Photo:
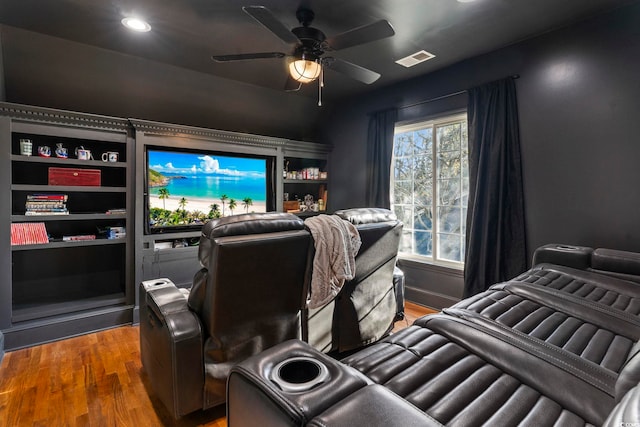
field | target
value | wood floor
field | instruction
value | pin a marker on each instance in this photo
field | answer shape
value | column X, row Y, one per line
column 95, row 380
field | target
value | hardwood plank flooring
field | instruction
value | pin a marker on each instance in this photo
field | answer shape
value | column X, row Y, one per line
column 95, row 380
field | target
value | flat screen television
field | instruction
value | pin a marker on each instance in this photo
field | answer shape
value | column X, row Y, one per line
column 186, row 188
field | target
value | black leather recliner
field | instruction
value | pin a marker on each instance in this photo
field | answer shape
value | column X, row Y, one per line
column 246, row 298
column 367, row 306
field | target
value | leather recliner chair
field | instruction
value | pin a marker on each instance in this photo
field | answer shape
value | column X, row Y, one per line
column 251, row 295
column 367, row 306
column 247, row 297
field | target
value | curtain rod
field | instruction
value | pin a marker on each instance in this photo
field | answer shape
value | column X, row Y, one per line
column 438, row 98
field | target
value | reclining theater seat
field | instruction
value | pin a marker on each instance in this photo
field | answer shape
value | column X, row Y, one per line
column 367, row 306
column 588, row 329
column 441, row 371
column 556, row 346
column 247, row 297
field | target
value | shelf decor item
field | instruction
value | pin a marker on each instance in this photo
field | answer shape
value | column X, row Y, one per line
column 83, row 154
column 26, row 147
column 61, row 152
column 44, row 151
column 73, row 176
column 28, row 233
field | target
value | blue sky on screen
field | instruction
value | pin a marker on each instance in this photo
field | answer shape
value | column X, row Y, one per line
column 204, row 164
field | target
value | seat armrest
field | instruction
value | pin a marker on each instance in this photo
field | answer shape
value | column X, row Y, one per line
column 568, row 255
column 373, row 406
column 287, row 385
column 171, row 347
column 620, row 263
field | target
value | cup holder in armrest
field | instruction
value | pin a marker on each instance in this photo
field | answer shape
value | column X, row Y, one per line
column 299, row 374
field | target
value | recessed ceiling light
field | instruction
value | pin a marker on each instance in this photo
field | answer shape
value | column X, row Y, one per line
column 136, row 24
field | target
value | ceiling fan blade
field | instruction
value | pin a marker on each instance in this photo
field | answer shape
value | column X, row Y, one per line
column 271, row 23
column 365, row 34
column 351, row 70
column 247, row 56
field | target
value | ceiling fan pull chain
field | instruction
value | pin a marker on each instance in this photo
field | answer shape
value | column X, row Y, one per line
column 320, row 86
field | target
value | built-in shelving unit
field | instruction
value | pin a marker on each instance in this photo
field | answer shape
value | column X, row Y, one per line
column 54, row 288
column 305, row 168
column 58, row 287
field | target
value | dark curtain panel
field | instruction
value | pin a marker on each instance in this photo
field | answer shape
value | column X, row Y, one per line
column 379, row 152
column 495, row 247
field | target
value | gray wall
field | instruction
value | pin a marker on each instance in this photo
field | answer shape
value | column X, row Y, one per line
column 579, row 111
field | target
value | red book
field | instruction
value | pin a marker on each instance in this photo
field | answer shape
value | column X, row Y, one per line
column 28, row 233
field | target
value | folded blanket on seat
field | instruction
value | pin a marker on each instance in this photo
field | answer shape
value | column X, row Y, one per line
column 336, row 245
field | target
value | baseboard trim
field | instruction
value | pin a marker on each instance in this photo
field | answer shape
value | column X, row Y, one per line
column 429, row 299
column 28, row 334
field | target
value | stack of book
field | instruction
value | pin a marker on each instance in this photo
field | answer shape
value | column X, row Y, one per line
column 28, row 233
column 46, row 204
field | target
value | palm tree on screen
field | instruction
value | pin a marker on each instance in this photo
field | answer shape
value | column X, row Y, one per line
column 223, row 199
column 182, row 203
column 215, row 211
column 232, row 205
column 246, row 202
column 163, row 194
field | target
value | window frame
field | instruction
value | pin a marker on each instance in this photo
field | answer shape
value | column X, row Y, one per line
column 430, row 122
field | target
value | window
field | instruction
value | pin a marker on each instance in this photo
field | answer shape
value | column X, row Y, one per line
column 430, row 188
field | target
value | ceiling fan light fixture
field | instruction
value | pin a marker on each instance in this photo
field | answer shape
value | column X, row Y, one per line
column 304, row 70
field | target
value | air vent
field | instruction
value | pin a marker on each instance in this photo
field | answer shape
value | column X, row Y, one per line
column 415, row 58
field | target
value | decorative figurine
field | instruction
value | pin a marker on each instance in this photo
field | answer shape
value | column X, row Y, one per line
column 61, row 151
column 44, row 151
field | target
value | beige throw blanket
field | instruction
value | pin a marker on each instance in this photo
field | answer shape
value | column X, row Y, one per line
column 337, row 243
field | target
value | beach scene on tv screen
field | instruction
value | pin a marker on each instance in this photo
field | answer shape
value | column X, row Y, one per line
column 191, row 188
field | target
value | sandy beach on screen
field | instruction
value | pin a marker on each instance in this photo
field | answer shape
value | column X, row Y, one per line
column 204, row 205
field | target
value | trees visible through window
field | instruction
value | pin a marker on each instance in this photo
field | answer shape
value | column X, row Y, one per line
column 430, row 188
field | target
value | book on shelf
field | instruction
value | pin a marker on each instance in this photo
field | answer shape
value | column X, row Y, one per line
column 46, row 204
column 48, row 197
column 78, row 237
column 28, row 233
column 116, row 211
column 46, row 212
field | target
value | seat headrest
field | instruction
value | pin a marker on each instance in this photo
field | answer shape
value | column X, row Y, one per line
column 252, row 223
column 358, row 216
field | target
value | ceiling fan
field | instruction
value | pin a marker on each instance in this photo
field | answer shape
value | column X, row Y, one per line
column 310, row 45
